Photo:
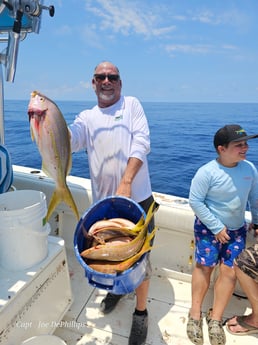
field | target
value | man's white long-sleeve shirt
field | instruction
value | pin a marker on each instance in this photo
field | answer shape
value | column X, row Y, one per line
column 111, row 136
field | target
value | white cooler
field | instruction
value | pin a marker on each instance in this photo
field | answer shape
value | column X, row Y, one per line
column 34, row 301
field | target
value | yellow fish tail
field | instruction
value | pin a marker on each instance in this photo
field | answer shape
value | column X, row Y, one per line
column 62, row 195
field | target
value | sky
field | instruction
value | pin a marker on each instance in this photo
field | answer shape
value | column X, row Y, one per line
column 166, row 51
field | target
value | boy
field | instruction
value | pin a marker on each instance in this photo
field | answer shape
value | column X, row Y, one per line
column 219, row 193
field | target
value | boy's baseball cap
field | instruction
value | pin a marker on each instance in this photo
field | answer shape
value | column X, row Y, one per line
column 230, row 133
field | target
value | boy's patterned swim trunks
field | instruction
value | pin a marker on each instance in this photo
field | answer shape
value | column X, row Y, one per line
column 209, row 252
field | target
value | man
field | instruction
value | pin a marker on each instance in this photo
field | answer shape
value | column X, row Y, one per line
column 115, row 134
column 246, row 268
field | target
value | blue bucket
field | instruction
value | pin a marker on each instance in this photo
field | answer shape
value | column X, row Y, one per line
column 111, row 207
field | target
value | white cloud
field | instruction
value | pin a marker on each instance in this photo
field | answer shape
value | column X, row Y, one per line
column 128, row 17
column 64, row 30
column 196, row 49
column 187, row 48
column 205, row 17
column 229, row 47
column 232, row 17
column 63, row 91
column 85, row 85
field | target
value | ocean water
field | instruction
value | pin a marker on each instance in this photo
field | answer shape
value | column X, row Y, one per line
column 181, row 138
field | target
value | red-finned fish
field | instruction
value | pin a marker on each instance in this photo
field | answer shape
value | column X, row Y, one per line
column 106, row 229
column 108, row 235
column 122, row 251
column 114, row 222
column 112, row 267
column 49, row 130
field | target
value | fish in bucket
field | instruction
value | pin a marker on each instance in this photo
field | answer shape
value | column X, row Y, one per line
column 117, row 266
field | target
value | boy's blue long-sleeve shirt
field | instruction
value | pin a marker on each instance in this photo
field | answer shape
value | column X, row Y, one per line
column 219, row 195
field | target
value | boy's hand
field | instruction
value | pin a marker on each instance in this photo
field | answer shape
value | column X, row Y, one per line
column 222, row 236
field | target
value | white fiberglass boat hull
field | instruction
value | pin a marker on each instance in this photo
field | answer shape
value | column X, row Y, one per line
column 81, row 322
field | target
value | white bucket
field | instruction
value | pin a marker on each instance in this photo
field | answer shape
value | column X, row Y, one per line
column 23, row 229
column 44, row 340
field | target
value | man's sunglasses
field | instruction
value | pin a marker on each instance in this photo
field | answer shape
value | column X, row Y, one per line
column 111, row 77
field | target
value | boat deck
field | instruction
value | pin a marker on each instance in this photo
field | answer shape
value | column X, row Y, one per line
column 170, row 289
column 168, row 304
